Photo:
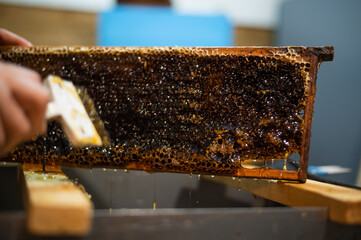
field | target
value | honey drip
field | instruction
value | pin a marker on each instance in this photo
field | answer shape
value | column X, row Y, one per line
column 177, row 110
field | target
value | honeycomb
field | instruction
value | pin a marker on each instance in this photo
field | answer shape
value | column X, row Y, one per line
column 192, row 110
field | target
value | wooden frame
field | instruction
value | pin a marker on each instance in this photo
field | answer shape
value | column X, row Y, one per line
column 309, row 56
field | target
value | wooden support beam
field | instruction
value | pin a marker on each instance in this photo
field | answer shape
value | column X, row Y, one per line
column 54, row 204
column 344, row 204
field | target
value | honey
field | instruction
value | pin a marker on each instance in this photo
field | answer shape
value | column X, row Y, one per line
column 178, row 109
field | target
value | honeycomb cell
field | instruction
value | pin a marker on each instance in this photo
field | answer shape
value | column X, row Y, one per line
column 176, row 109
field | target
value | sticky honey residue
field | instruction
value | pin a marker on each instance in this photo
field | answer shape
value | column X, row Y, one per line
column 46, row 177
column 174, row 109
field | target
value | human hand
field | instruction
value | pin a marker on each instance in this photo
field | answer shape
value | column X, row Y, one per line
column 9, row 38
column 23, row 101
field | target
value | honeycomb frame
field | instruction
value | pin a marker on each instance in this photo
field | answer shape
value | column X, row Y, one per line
column 184, row 109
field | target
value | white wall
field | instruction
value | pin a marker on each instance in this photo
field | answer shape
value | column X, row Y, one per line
column 251, row 13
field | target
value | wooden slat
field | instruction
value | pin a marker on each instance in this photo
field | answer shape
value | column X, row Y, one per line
column 54, row 204
column 344, row 204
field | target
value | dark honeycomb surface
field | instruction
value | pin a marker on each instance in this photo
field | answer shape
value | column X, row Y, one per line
column 177, row 110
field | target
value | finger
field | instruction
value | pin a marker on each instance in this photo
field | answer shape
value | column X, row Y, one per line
column 10, row 70
column 29, row 93
column 35, row 107
column 2, row 132
column 16, row 124
column 2, row 128
column 9, row 38
column 33, row 97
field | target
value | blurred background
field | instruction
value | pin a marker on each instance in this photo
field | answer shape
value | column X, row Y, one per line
column 336, row 131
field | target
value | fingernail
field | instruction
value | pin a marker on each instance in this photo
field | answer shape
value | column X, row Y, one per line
column 26, row 43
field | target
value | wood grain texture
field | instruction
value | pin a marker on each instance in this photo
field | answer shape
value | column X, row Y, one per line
column 49, row 26
column 54, row 205
column 344, row 204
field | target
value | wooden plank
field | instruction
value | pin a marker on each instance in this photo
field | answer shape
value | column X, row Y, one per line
column 43, row 26
column 54, row 204
column 344, row 204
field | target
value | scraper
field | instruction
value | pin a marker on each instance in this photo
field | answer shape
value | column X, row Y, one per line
column 68, row 109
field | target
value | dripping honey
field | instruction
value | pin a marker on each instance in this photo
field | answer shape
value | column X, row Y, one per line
column 179, row 110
